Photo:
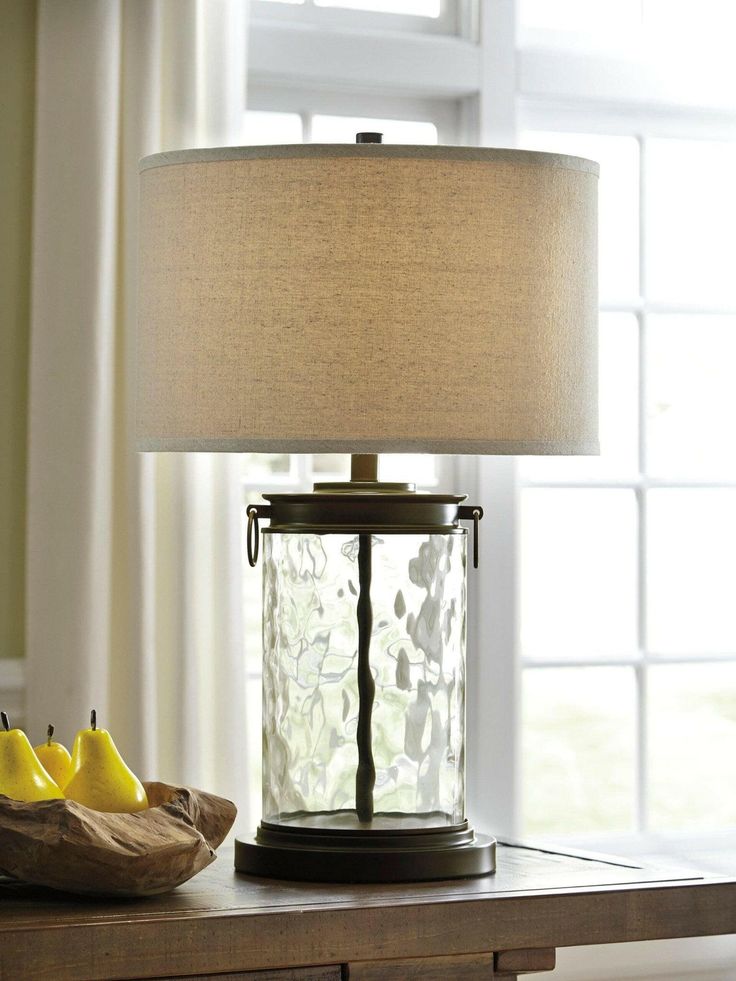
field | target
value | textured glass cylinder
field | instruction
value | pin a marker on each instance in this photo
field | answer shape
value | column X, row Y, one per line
column 311, row 704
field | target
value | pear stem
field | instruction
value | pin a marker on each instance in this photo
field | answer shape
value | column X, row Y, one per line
column 49, row 733
column 93, row 720
column 5, row 721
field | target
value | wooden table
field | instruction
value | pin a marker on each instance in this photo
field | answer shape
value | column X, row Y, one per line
column 231, row 926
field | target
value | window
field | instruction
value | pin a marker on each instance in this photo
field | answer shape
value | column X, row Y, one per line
column 627, row 622
column 602, row 647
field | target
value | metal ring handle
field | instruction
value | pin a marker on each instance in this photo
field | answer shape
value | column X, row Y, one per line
column 477, row 515
column 472, row 513
column 253, row 538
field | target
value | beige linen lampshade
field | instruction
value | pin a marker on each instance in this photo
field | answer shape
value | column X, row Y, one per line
column 368, row 298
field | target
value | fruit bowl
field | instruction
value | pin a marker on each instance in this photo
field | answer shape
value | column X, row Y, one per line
column 67, row 846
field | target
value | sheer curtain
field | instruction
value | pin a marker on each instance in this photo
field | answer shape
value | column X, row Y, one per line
column 134, row 569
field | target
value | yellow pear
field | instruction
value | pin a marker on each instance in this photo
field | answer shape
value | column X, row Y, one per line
column 54, row 757
column 99, row 777
column 22, row 777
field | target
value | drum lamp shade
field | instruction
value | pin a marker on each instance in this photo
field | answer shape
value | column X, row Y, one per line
column 366, row 299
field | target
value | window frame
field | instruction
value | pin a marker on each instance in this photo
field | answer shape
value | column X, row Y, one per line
column 456, row 17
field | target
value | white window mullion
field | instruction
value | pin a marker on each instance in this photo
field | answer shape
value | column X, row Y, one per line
column 498, row 105
column 642, row 673
column 641, row 669
column 303, row 469
column 306, row 118
column 493, row 670
column 642, row 795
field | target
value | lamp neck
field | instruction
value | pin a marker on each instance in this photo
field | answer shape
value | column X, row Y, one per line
column 364, row 479
column 364, row 466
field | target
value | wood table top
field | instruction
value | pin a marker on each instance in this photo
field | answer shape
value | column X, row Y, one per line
column 535, row 899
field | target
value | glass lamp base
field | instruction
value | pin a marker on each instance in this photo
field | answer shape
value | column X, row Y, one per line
column 317, row 855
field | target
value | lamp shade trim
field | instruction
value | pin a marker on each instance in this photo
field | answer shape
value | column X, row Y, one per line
column 467, row 447
column 531, row 158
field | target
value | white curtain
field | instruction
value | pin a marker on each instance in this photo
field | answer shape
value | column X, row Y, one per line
column 134, row 565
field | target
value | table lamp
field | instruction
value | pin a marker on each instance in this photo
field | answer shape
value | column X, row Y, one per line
column 366, row 298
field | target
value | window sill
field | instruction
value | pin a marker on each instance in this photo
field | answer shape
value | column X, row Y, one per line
column 709, row 851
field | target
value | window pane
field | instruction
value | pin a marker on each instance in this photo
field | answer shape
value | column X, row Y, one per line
column 260, row 466
column 692, row 735
column 416, row 468
column 413, row 468
column 578, row 749
column 691, row 571
column 691, row 396
column 425, row 8
column 598, row 18
column 618, row 383
column 691, row 221
column 265, row 128
column 334, row 464
column 253, row 707
column 618, row 202
column 578, row 573
column 342, row 129
column 703, row 26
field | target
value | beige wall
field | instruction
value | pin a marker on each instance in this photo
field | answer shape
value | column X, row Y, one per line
column 17, row 69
